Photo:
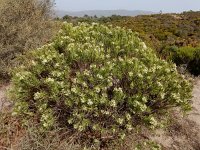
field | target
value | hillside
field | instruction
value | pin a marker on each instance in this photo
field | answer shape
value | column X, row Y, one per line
column 158, row 30
column 100, row 13
column 162, row 30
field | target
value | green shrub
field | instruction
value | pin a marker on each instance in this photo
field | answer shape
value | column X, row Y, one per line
column 100, row 81
column 194, row 65
column 183, row 55
column 190, row 56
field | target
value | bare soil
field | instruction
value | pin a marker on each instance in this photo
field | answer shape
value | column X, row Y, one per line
column 184, row 132
column 3, row 102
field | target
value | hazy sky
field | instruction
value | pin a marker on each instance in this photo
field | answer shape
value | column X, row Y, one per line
column 151, row 5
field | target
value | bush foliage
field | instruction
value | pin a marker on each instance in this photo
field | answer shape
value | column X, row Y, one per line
column 97, row 80
column 188, row 56
column 24, row 25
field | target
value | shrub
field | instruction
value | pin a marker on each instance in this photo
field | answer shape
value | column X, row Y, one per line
column 183, row 55
column 194, row 65
column 97, row 80
column 24, row 25
column 190, row 56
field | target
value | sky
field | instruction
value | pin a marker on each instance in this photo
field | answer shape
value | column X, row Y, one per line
column 147, row 5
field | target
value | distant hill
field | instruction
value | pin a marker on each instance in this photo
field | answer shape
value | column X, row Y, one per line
column 99, row 13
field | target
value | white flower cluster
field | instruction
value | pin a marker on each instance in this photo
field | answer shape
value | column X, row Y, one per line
column 101, row 78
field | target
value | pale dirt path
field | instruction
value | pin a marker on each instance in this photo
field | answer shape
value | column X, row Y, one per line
column 195, row 114
column 184, row 134
column 3, row 102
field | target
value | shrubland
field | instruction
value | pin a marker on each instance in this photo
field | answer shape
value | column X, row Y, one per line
column 90, row 84
column 159, row 31
column 98, row 81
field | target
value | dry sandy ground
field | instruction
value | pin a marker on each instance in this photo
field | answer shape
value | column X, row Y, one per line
column 3, row 102
column 195, row 114
column 183, row 134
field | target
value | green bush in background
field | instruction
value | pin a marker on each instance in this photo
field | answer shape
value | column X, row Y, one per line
column 97, row 80
column 189, row 56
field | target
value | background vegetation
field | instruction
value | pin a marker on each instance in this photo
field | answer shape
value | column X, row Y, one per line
column 165, row 33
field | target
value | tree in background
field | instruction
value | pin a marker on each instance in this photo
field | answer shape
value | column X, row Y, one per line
column 25, row 24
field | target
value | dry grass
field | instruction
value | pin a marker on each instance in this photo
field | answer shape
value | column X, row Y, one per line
column 179, row 133
column 10, row 130
column 14, row 136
